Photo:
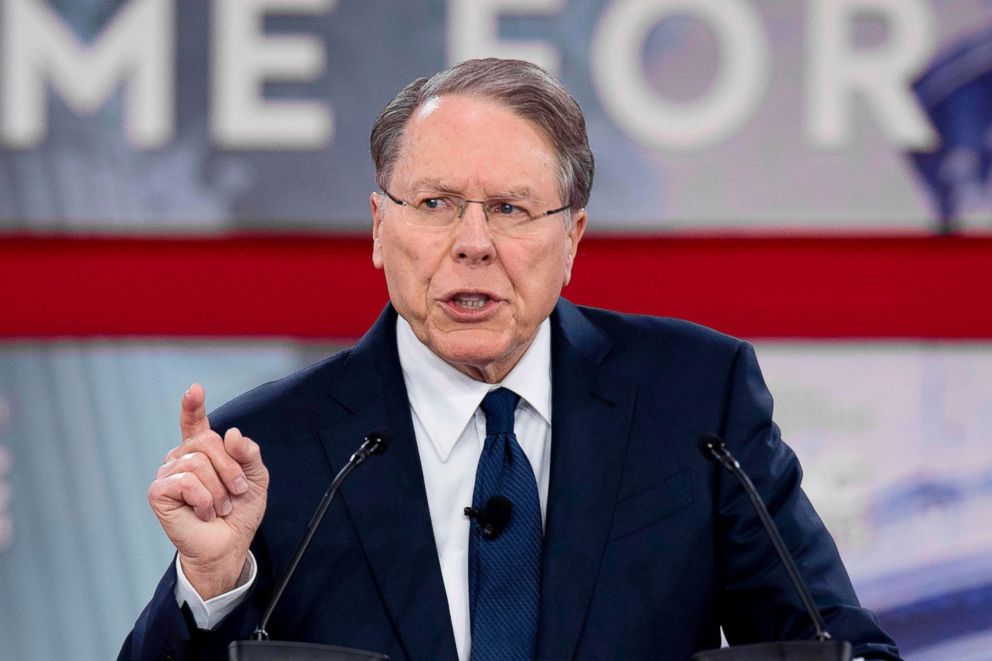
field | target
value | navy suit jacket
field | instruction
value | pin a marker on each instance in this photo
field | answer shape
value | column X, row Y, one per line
column 648, row 549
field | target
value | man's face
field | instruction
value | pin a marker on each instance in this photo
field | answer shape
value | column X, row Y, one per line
column 474, row 297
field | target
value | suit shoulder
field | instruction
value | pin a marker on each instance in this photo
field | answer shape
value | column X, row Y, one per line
column 650, row 333
column 303, row 390
column 647, row 349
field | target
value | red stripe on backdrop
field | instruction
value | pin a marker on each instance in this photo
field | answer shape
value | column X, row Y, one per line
column 325, row 286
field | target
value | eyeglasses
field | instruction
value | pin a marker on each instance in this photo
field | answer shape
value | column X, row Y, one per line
column 509, row 216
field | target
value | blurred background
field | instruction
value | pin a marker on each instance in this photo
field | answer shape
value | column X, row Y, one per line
column 184, row 197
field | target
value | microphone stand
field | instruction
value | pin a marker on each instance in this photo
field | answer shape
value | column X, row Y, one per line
column 260, row 648
column 821, row 649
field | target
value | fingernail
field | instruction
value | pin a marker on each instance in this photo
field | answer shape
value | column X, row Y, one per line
column 240, row 485
column 226, row 507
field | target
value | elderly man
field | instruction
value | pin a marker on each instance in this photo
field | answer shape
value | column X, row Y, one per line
column 622, row 541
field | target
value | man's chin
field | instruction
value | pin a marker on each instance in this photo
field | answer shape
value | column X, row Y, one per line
column 478, row 352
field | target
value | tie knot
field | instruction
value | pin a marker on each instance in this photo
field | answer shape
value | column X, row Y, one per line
column 499, row 406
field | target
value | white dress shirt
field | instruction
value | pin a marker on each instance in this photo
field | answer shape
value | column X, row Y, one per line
column 451, row 430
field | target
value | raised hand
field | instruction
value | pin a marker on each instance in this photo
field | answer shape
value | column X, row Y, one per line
column 209, row 496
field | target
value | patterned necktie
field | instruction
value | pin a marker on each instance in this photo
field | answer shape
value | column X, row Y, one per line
column 505, row 568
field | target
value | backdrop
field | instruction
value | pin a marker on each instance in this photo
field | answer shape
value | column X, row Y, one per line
column 176, row 175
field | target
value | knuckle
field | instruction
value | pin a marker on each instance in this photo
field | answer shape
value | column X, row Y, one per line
column 195, row 461
column 193, row 491
column 160, row 490
column 185, row 480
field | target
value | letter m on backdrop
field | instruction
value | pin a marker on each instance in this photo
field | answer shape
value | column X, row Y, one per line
column 40, row 52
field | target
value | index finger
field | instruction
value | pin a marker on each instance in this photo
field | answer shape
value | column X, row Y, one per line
column 193, row 414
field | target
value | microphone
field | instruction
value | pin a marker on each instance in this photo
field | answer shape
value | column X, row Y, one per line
column 823, row 648
column 260, row 648
column 493, row 518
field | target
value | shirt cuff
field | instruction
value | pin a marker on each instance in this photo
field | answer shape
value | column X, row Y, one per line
column 208, row 613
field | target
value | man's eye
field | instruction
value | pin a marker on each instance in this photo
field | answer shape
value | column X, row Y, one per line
column 507, row 209
column 433, row 203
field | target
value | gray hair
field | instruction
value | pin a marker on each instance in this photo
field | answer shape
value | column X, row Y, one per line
column 523, row 87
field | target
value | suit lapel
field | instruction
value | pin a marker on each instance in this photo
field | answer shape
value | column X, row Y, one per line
column 591, row 418
column 386, row 498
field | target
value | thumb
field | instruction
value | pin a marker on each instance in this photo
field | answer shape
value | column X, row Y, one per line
column 193, row 413
column 247, row 453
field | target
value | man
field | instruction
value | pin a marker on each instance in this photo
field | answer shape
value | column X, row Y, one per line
column 621, row 540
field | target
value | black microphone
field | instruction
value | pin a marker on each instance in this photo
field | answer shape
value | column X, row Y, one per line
column 823, row 648
column 260, row 648
column 493, row 518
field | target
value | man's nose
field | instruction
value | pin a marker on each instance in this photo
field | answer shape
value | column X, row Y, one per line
column 473, row 242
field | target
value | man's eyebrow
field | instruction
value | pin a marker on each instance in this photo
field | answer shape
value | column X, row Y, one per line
column 437, row 186
column 514, row 194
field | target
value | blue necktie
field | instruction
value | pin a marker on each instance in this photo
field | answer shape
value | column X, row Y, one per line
column 505, row 570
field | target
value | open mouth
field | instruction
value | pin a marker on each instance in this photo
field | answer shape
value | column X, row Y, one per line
column 471, row 305
column 470, row 301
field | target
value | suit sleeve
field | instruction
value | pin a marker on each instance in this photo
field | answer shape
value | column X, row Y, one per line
column 757, row 601
column 167, row 632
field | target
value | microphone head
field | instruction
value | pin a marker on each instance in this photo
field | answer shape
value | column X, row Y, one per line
column 379, row 438
column 710, row 444
column 498, row 511
column 495, row 516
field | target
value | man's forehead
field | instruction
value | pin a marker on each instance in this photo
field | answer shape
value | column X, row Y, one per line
column 428, row 107
column 463, row 103
column 475, row 146
column 450, row 112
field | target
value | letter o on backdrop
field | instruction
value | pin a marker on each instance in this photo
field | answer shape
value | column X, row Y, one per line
column 735, row 95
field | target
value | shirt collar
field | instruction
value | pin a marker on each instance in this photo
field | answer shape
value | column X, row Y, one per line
column 445, row 399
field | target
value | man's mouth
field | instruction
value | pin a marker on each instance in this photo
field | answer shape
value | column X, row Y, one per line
column 472, row 305
column 470, row 301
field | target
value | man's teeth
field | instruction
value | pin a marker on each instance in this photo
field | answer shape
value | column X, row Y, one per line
column 471, row 300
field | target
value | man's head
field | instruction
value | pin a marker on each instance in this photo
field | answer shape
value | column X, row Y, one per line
column 476, row 280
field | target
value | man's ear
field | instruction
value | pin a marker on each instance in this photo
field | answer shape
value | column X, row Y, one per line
column 572, row 239
column 375, row 204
